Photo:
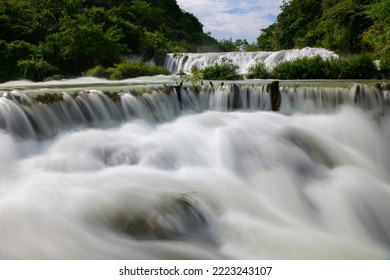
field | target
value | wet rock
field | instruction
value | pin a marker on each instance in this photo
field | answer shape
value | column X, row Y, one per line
column 48, row 98
column 117, row 156
column 276, row 98
column 235, row 101
column 177, row 218
column 13, row 95
column 114, row 96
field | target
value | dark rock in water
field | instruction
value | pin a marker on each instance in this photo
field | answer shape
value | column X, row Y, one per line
column 358, row 97
column 114, row 156
column 178, row 92
column 177, row 89
column 114, row 96
column 181, row 217
column 48, row 98
column 12, row 96
column 235, row 101
column 276, row 98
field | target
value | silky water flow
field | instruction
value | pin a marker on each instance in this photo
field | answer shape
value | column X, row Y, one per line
column 149, row 177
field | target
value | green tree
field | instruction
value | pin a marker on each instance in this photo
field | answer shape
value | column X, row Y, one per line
column 70, row 36
column 333, row 24
column 342, row 26
column 267, row 41
column 10, row 54
column 228, row 45
column 82, row 44
column 293, row 23
column 33, row 20
column 153, row 42
column 378, row 35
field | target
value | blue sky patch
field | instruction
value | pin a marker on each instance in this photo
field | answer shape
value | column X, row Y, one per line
column 237, row 11
column 271, row 17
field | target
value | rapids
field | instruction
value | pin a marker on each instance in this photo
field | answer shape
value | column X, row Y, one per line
column 216, row 176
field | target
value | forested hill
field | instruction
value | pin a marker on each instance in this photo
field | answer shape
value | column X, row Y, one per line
column 67, row 37
column 345, row 26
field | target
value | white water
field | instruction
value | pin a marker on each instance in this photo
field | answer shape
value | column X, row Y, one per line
column 183, row 62
column 24, row 116
column 264, row 185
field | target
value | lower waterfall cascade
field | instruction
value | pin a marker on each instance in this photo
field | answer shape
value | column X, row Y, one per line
column 194, row 172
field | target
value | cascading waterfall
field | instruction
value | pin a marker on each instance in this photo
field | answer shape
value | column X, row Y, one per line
column 183, row 62
column 203, row 173
column 38, row 117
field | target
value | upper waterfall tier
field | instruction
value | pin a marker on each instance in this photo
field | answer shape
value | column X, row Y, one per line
column 183, row 62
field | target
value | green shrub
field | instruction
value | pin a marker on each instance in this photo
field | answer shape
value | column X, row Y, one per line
column 225, row 70
column 331, row 68
column 385, row 66
column 196, row 76
column 303, row 68
column 125, row 70
column 362, row 66
column 134, row 69
column 10, row 54
column 287, row 70
column 35, row 69
column 354, row 67
column 258, row 71
column 98, row 71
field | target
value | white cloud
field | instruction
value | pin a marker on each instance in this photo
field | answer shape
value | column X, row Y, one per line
column 226, row 19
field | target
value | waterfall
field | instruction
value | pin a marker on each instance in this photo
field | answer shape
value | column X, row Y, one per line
column 183, row 62
column 147, row 171
column 44, row 116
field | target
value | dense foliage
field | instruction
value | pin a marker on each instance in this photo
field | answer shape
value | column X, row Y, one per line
column 41, row 38
column 224, row 70
column 258, row 71
column 354, row 67
column 345, row 26
column 228, row 45
column 126, row 70
column 221, row 70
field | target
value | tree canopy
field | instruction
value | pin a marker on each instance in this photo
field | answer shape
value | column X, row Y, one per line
column 68, row 37
column 345, row 26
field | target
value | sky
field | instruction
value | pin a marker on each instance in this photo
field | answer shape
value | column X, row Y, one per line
column 236, row 19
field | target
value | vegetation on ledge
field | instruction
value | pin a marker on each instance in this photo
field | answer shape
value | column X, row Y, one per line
column 126, row 70
column 360, row 66
column 354, row 67
column 224, row 70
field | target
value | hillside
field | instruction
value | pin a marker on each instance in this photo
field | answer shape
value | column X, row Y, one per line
column 345, row 26
column 61, row 38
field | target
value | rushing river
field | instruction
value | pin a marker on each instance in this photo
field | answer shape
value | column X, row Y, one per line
column 149, row 177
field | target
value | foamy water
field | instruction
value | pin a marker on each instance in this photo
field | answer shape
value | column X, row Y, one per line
column 261, row 185
column 183, row 62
